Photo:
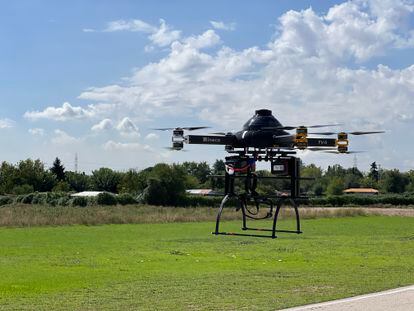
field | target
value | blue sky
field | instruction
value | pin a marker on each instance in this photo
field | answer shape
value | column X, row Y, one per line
column 92, row 77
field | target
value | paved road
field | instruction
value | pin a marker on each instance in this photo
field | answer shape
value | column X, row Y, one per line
column 400, row 299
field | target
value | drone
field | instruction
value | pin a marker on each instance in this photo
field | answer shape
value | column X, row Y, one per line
column 264, row 138
column 264, row 132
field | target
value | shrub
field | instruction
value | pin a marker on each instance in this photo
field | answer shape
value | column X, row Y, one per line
column 106, row 198
column 19, row 198
column 64, row 201
column 92, row 201
column 28, row 198
column 57, row 198
column 39, row 198
column 5, row 200
column 80, row 201
column 125, row 199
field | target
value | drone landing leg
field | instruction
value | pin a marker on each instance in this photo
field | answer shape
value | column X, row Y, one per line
column 243, row 209
column 223, row 203
column 279, row 206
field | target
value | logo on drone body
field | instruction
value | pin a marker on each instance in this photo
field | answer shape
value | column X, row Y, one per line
column 211, row 140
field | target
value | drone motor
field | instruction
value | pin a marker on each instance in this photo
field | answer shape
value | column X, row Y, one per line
column 301, row 139
column 342, row 142
column 178, row 139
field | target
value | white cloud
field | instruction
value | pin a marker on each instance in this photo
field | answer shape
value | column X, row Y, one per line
column 88, row 30
column 117, row 146
column 127, row 128
column 160, row 36
column 135, row 25
column 205, row 40
column 152, row 136
column 104, row 125
column 356, row 30
column 63, row 138
column 68, row 112
column 6, row 123
column 223, row 26
column 164, row 35
column 37, row 132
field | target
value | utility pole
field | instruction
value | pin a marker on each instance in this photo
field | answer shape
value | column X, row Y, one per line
column 355, row 167
column 76, row 162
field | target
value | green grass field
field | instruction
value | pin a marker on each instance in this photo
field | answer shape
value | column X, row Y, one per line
column 181, row 266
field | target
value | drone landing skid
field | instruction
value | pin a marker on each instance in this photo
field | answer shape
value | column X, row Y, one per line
column 238, row 163
column 274, row 230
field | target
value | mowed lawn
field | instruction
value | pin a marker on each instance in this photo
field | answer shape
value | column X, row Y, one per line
column 181, row 266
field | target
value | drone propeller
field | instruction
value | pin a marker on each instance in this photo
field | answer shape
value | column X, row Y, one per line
column 188, row 128
column 218, row 133
column 331, row 150
column 321, row 148
column 288, row 128
column 173, row 149
column 346, row 152
column 285, row 136
column 350, row 133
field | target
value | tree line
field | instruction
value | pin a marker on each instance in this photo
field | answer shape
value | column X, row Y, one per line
column 165, row 184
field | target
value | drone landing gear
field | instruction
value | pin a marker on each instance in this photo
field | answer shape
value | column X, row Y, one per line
column 280, row 202
column 272, row 205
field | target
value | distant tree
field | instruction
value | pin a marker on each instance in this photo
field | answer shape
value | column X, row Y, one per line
column 368, row 182
column 336, row 186
column 199, row 170
column 133, row 181
column 317, row 189
column 33, row 173
column 166, row 185
column 310, row 171
column 410, row 186
column 353, row 178
column 58, row 170
column 373, row 172
column 22, row 189
column 268, row 186
column 219, row 168
column 105, row 179
column 155, row 193
column 78, row 181
column 61, row 186
column 335, row 171
column 8, row 177
column 393, row 181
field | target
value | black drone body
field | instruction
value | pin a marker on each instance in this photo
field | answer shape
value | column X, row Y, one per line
column 261, row 131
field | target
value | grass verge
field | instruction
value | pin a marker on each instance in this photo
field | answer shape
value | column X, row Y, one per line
column 22, row 215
